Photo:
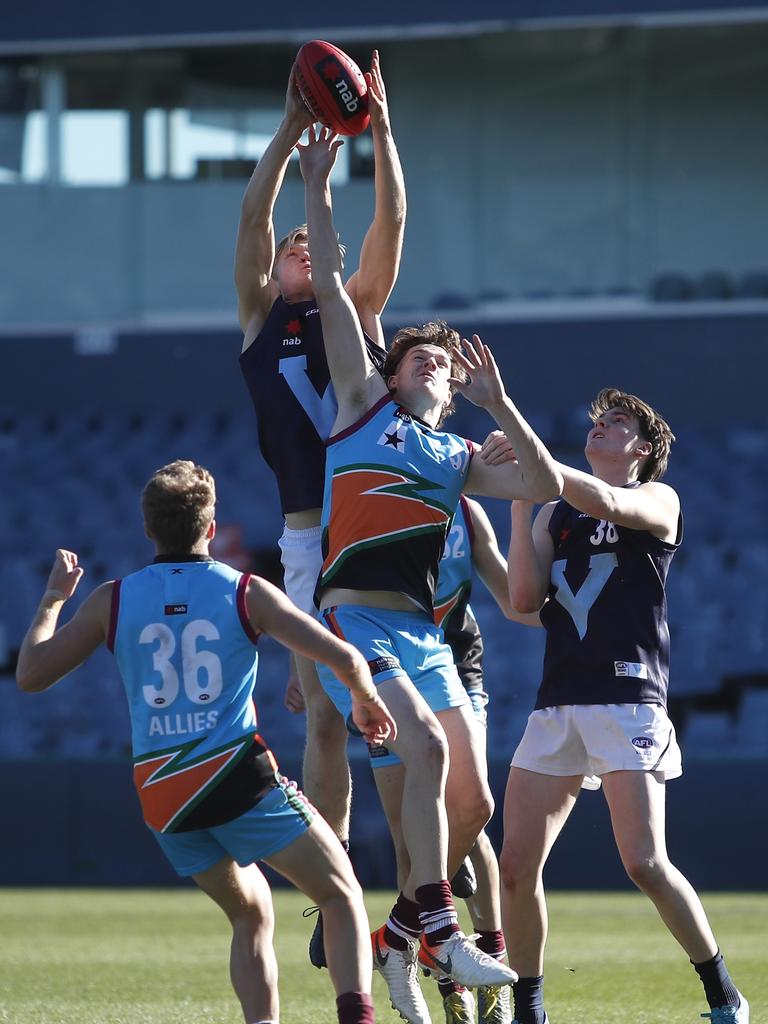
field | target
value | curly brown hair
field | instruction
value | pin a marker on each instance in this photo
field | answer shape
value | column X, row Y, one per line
column 652, row 426
column 178, row 504
column 436, row 332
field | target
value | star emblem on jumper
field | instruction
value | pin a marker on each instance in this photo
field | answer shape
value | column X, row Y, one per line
column 565, row 534
column 393, row 437
column 293, row 327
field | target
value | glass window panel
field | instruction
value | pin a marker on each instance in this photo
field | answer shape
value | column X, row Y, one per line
column 34, row 160
column 94, row 147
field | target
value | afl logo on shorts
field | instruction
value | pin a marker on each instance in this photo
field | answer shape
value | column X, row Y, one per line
column 642, row 742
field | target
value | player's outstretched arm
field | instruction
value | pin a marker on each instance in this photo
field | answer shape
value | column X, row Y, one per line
column 652, row 506
column 270, row 611
column 491, row 565
column 356, row 382
column 531, row 553
column 48, row 654
column 255, row 249
column 370, row 287
column 533, row 474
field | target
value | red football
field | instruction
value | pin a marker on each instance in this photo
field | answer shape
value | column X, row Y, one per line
column 333, row 87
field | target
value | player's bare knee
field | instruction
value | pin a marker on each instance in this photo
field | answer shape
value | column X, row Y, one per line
column 429, row 755
column 470, row 810
column 324, row 723
column 648, row 872
column 518, row 870
column 257, row 920
column 249, row 910
column 484, row 807
column 343, row 889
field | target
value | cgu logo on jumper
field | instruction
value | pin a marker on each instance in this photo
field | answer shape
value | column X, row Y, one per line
column 345, row 93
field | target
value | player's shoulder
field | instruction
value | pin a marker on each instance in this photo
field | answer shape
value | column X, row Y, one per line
column 258, row 316
column 103, row 595
column 660, row 492
column 98, row 612
column 657, row 487
column 545, row 513
column 475, row 515
column 259, row 589
column 470, row 506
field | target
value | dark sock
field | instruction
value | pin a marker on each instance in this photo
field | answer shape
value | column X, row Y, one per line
column 437, row 913
column 718, row 987
column 403, row 925
column 529, row 1000
column 355, row 1008
column 446, row 987
column 492, row 943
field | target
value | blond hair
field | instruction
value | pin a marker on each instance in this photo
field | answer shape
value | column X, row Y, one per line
column 300, row 234
column 653, row 427
column 437, row 333
column 178, row 504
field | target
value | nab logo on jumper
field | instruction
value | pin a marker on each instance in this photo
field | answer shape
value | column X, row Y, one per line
column 292, row 331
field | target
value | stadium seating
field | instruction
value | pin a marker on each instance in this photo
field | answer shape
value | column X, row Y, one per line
column 713, row 285
column 671, row 288
column 753, row 285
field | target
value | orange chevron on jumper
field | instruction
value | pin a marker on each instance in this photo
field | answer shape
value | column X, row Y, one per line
column 372, row 505
column 169, row 784
column 445, row 605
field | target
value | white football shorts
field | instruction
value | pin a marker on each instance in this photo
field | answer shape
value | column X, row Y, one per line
column 594, row 739
column 301, row 555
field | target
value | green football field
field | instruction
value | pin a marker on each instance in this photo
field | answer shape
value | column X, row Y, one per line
column 160, row 957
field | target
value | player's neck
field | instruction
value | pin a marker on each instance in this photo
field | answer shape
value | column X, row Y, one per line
column 197, row 549
column 295, row 295
column 615, row 474
column 427, row 412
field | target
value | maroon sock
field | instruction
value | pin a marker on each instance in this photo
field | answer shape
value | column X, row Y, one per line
column 403, row 925
column 492, row 943
column 446, row 987
column 437, row 913
column 355, row 1008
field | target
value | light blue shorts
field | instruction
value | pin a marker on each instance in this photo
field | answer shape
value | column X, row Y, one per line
column 394, row 644
column 280, row 817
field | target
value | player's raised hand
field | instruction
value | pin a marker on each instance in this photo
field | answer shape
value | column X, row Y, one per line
column 374, row 720
column 318, row 154
column 496, row 449
column 484, row 386
column 65, row 575
column 296, row 112
column 377, row 95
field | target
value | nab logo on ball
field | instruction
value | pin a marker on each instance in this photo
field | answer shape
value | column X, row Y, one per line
column 333, row 87
column 331, row 70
